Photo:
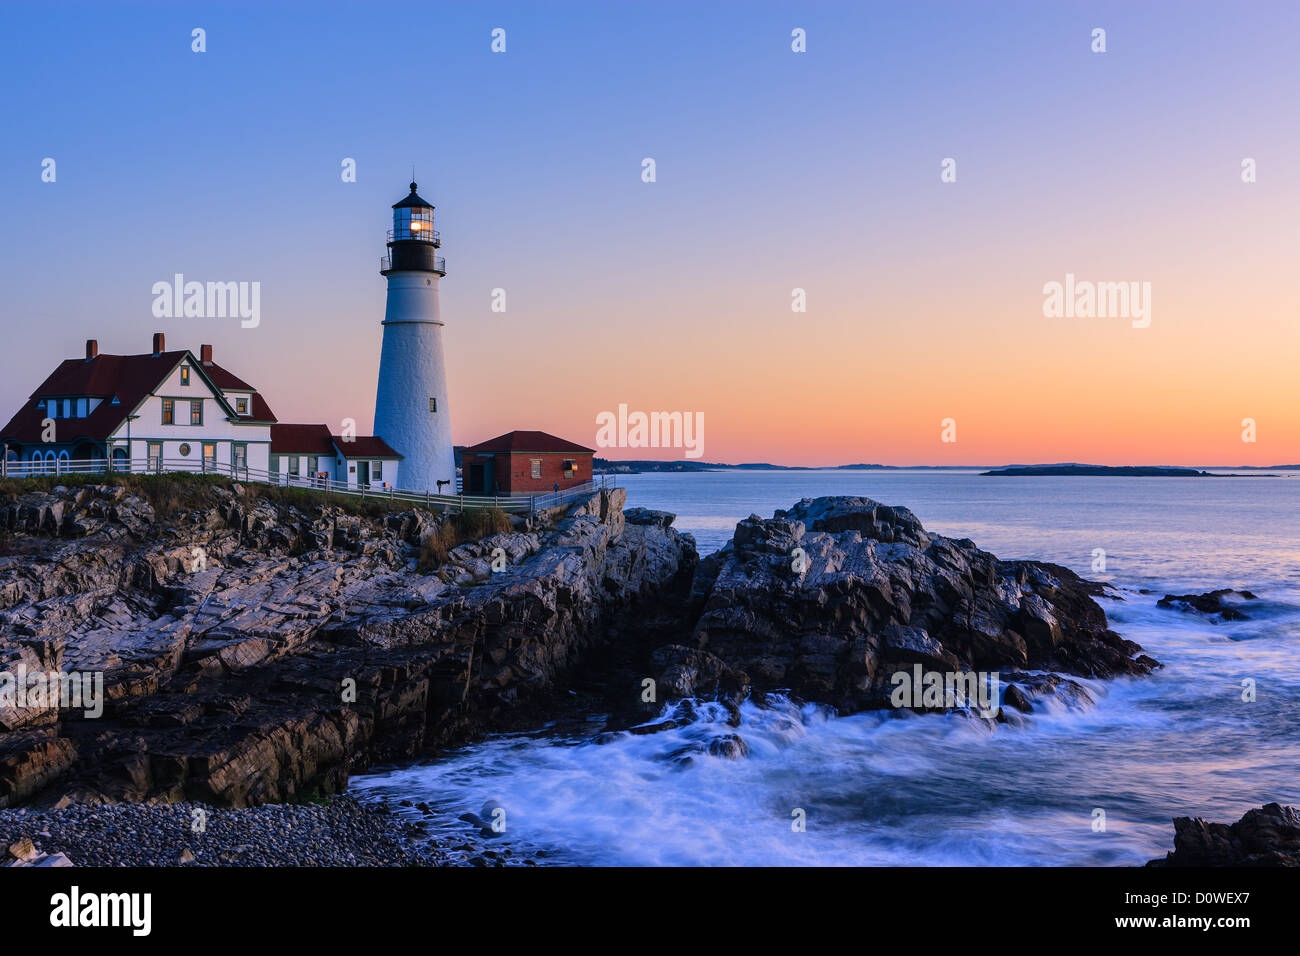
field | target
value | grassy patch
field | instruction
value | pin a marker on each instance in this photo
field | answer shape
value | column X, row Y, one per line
column 469, row 525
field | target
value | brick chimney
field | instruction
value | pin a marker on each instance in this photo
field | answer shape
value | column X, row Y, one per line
column 159, row 343
column 92, row 349
column 205, row 354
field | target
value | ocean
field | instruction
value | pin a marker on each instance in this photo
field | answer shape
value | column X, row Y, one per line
column 1089, row 786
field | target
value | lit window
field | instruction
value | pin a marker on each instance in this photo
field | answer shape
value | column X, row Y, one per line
column 570, row 467
column 185, row 375
column 537, row 468
column 241, row 406
column 169, row 411
column 196, row 413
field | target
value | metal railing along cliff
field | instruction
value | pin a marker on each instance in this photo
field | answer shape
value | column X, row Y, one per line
column 525, row 504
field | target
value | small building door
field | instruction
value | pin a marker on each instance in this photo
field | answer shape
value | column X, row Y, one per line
column 363, row 473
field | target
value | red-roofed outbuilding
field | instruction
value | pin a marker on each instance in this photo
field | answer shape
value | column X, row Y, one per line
column 525, row 463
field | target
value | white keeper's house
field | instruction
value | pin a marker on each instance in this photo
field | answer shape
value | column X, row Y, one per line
column 174, row 411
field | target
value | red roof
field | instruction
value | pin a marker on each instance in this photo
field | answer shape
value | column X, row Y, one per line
column 301, row 440
column 364, row 446
column 127, row 378
column 518, row 441
column 224, row 379
column 258, row 410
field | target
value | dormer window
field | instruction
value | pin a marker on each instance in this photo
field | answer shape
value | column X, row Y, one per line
column 241, row 406
column 185, row 375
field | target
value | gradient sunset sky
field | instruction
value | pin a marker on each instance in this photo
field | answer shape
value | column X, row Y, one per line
column 775, row 170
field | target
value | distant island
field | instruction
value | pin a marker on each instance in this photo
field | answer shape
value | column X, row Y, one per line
column 650, row 465
column 1120, row 471
column 636, row 466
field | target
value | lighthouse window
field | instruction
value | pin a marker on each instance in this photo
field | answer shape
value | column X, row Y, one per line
column 433, row 404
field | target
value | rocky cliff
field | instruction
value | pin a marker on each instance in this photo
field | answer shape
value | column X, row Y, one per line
column 255, row 652
column 829, row 599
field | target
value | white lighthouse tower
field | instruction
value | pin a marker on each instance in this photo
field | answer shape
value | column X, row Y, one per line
column 411, row 412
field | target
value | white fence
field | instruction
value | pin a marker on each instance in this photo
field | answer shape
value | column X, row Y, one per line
column 98, row 466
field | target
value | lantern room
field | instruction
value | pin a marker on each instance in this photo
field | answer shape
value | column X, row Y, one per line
column 413, row 219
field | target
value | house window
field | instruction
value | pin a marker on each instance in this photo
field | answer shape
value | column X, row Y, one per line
column 196, row 412
column 433, row 404
column 537, row 468
column 169, row 411
column 275, row 464
column 155, row 455
column 241, row 406
column 376, row 471
column 240, row 453
column 185, row 375
column 185, row 448
column 293, row 464
column 570, row 466
column 209, row 455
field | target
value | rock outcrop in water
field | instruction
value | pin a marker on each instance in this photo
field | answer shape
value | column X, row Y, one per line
column 1221, row 603
column 828, row 599
column 254, row 652
column 1265, row 836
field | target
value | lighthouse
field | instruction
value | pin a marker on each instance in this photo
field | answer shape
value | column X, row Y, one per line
column 411, row 410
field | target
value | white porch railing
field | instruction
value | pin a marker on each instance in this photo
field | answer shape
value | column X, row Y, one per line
column 458, row 502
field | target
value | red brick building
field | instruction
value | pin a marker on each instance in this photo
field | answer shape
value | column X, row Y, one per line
column 524, row 463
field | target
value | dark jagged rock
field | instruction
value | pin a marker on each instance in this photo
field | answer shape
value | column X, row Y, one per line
column 660, row 519
column 1218, row 603
column 1265, row 836
column 254, row 652
column 830, row 598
